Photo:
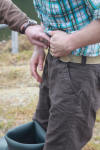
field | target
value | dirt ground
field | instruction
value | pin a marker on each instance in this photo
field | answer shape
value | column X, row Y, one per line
column 19, row 92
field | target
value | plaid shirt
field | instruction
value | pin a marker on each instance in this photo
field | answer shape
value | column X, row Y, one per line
column 69, row 16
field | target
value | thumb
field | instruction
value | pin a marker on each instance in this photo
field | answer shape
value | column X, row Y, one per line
column 40, row 65
column 51, row 33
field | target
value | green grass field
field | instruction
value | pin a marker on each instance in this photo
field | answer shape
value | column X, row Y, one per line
column 19, row 91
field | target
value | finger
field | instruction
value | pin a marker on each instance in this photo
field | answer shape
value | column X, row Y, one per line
column 43, row 40
column 37, row 77
column 44, row 36
column 47, row 33
column 40, row 65
column 38, row 43
column 52, row 41
column 60, row 54
column 51, row 33
column 53, row 50
column 52, row 46
column 33, row 69
column 56, row 51
column 34, row 73
column 57, row 54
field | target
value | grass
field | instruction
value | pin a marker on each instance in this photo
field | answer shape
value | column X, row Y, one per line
column 19, row 91
column 16, row 115
column 98, row 117
column 10, row 59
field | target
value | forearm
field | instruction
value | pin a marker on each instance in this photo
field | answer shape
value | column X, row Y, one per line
column 11, row 15
column 88, row 35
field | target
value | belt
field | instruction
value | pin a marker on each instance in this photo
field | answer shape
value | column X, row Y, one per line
column 80, row 59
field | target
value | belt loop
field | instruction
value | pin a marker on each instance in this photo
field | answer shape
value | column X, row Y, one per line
column 83, row 60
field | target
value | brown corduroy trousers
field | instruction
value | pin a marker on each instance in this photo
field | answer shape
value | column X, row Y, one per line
column 68, row 100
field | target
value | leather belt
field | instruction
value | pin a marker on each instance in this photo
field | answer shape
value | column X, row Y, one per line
column 78, row 59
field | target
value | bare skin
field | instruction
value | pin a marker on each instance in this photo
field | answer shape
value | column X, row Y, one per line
column 62, row 44
column 37, row 61
column 36, row 36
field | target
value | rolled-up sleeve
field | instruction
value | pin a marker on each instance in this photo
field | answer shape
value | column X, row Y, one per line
column 94, row 5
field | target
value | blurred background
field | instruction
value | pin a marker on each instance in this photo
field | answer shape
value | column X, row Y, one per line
column 28, row 8
column 18, row 90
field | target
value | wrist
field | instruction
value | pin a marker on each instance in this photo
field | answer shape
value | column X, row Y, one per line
column 74, row 41
column 39, row 52
column 70, row 43
column 30, row 29
column 27, row 24
column 38, row 49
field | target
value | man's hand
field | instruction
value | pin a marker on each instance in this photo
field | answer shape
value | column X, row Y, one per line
column 37, row 61
column 60, row 43
column 36, row 36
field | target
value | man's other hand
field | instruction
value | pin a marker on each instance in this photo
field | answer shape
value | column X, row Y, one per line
column 37, row 36
column 60, row 43
column 36, row 62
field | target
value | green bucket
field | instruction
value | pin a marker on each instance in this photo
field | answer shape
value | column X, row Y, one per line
column 29, row 136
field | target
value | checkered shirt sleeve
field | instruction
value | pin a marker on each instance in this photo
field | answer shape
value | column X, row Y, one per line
column 94, row 5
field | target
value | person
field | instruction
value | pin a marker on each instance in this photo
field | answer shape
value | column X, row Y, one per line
column 17, row 20
column 70, row 85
